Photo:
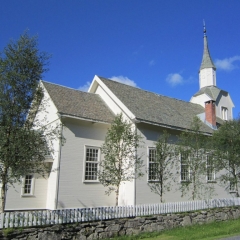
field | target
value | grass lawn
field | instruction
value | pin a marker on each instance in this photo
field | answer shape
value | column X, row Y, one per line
column 210, row 231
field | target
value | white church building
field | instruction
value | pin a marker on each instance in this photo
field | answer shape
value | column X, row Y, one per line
column 86, row 116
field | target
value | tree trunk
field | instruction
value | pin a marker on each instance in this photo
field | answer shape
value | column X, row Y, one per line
column 161, row 194
column 237, row 193
column 117, row 193
column 3, row 190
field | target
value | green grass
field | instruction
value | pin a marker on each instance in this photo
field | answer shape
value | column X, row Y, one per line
column 210, row 231
column 7, row 231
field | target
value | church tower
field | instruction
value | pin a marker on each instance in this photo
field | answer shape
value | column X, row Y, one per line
column 207, row 72
column 217, row 103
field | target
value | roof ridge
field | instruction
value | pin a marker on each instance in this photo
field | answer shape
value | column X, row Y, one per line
column 160, row 95
column 66, row 87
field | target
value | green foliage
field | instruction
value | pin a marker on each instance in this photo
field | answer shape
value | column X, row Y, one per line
column 121, row 162
column 23, row 141
column 193, row 149
column 161, row 169
column 7, row 231
column 227, row 153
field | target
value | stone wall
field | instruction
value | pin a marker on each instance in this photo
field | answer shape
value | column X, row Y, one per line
column 119, row 227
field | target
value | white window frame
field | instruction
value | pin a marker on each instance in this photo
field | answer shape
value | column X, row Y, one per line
column 210, row 170
column 232, row 187
column 149, row 163
column 86, row 147
column 31, row 186
column 187, row 173
column 224, row 112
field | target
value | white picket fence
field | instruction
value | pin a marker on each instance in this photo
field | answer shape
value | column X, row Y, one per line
column 49, row 217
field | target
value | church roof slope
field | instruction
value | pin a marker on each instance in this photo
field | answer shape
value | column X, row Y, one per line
column 212, row 91
column 154, row 108
column 79, row 104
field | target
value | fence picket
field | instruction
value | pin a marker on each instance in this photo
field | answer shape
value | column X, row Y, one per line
column 34, row 222
column 11, row 219
column 6, row 220
column 15, row 220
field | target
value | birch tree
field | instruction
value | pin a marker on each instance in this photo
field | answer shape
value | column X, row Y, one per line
column 161, row 161
column 22, row 147
column 120, row 162
column 226, row 142
column 193, row 149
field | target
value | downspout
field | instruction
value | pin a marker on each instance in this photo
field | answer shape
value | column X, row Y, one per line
column 135, row 184
column 58, row 168
column 135, row 181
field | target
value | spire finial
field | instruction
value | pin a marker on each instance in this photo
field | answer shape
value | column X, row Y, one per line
column 204, row 28
column 207, row 60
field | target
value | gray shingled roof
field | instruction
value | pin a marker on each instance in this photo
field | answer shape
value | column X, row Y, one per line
column 212, row 91
column 154, row 108
column 79, row 104
column 206, row 60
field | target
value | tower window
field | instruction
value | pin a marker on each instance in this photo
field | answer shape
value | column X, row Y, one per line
column 224, row 113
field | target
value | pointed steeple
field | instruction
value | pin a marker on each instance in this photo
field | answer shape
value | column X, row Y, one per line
column 206, row 60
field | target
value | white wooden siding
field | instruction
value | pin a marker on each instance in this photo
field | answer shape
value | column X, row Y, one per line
column 38, row 201
column 143, row 193
column 73, row 192
column 224, row 101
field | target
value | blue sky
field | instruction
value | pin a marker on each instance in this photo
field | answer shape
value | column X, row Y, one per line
column 155, row 45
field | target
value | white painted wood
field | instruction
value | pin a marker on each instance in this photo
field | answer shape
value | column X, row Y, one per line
column 73, row 192
column 207, row 77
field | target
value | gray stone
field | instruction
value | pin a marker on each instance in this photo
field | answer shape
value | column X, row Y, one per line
column 79, row 237
column 102, row 235
column 122, row 232
column 49, row 235
column 98, row 230
column 32, row 237
column 92, row 236
column 86, row 231
column 131, row 224
column 115, row 227
column 147, row 228
column 131, row 231
column 160, row 227
column 186, row 221
column 56, row 228
column 236, row 214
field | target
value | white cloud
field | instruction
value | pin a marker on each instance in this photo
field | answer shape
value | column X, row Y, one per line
column 85, row 87
column 151, row 63
column 227, row 64
column 174, row 79
column 124, row 80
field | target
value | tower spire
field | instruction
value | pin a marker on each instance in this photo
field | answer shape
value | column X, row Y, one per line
column 206, row 60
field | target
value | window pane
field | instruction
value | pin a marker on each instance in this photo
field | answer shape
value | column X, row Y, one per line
column 152, row 165
column 210, row 169
column 28, row 184
column 185, row 170
column 91, row 166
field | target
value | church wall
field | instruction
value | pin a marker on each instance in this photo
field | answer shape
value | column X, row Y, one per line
column 143, row 193
column 74, row 192
column 224, row 101
column 15, row 200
